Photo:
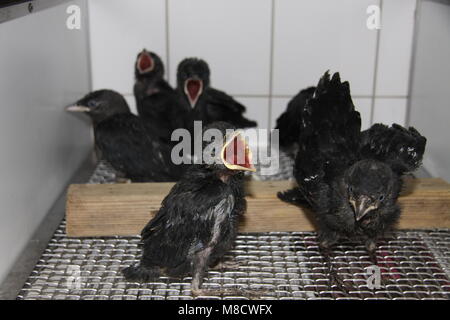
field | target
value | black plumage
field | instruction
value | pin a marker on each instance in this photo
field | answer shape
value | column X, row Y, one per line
column 208, row 104
column 156, row 101
column 197, row 221
column 350, row 180
column 123, row 140
column 290, row 121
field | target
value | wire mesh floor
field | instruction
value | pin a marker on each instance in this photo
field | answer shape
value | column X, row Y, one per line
column 288, row 265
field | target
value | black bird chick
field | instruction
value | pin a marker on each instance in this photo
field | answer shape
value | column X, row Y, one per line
column 290, row 121
column 350, row 180
column 156, row 101
column 197, row 221
column 123, row 140
column 208, row 104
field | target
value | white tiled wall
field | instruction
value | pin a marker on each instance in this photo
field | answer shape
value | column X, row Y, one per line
column 390, row 110
column 395, row 47
column 430, row 94
column 232, row 35
column 262, row 51
column 118, row 31
column 315, row 35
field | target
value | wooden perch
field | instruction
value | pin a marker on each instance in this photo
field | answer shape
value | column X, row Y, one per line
column 124, row 209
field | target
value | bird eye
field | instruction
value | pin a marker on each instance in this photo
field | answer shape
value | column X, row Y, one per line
column 350, row 189
column 381, row 198
column 92, row 104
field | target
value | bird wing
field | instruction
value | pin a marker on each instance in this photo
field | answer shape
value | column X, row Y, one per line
column 186, row 222
column 290, row 121
column 329, row 137
column 399, row 147
column 127, row 145
column 222, row 107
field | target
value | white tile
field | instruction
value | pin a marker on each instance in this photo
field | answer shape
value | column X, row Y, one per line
column 390, row 111
column 395, row 47
column 312, row 36
column 257, row 110
column 118, row 31
column 279, row 105
column 363, row 106
column 232, row 36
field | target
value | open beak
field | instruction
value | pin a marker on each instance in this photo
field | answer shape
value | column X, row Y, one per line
column 77, row 108
column 361, row 207
column 145, row 62
column 193, row 88
column 236, row 154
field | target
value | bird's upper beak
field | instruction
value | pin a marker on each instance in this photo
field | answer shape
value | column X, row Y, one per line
column 145, row 62
column 193, row 88
column 361, row 207
column 77, row 108
column 236, row 154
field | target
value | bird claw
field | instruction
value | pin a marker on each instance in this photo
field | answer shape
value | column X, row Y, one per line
column 336, row 280
column 239, row 292
column 227, row 265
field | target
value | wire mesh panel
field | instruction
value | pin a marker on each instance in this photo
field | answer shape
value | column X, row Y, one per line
column 282, row 265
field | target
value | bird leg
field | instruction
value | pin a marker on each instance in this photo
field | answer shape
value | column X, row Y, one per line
column 371, row 250
column 200, row 264
column 371, row 247
column 325, row 249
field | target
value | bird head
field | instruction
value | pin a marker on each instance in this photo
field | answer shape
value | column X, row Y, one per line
column 231, row 152
column 193, row 78
column 100, row 105
column 148, row 65
column 370, row 186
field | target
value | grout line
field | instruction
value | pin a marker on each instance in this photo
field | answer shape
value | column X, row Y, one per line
column 90, row 71
column 416, row 26
column 387, row 96
column 354, row 96
column 272, row 35
column 375, row 74
column 289, row 96
column 167, row 41
column 88, row 46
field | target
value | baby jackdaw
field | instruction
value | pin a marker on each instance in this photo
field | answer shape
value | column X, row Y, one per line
column 197, row 221
column 156, row 101
column 122, row 139
column 208, row 104
column 350, row 180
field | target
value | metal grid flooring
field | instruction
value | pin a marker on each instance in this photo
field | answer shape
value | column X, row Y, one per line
column 288, row 265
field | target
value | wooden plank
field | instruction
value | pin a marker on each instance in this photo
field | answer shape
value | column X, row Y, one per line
column 124, row 209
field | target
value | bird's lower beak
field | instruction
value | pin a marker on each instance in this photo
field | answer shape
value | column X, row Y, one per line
column 236, row 155
column 193, row 88
column 77, row 108
column 361, row 208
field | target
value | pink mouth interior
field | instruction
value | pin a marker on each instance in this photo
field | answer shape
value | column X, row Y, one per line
column 235, row 152
column 193, row 88
column 145, row 62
